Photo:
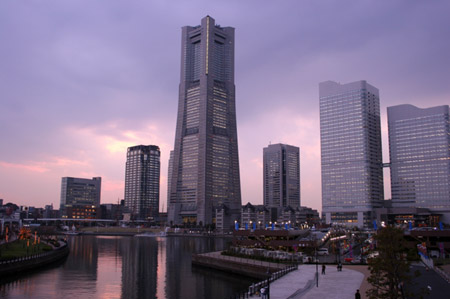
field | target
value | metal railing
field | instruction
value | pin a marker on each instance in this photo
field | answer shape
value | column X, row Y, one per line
column 443, row 274
column 256, row 287
column 30, row 257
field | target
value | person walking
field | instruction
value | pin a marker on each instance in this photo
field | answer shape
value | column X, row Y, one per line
column 357, row 295
column 323, row 269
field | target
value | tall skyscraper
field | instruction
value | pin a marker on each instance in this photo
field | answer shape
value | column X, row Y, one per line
column 80, row 198
column 350, row 137
column 142, row 173
column 419, row 148
column 205, row 172
column 169, row 176
column 281, row 178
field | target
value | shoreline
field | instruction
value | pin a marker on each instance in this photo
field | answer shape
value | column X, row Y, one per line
column 129, row 233
column 236, row 265
column 33, row 262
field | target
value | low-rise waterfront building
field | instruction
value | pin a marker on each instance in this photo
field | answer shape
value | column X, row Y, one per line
column 248, row 215
column 305, row 215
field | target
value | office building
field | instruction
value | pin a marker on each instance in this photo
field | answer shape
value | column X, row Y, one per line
column 281, row 163
column 80, row 198
column 142, row 173
column 419, row 149
column 169, row 176
column 205, row 167
column 350, row 137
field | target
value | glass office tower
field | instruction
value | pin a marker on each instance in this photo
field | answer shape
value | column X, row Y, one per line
column 350, row 136
column 281, row 164
column 80, row 198
column 205, row 166
column 142, row 174
column 419, row 148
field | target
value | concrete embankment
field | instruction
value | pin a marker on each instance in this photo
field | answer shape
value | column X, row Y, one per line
column 19, row 265
column 236, row 265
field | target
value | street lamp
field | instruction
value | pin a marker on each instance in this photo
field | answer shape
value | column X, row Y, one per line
column 268, row 283
column 317, row 262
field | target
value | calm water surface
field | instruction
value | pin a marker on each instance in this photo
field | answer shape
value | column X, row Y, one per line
column 129, row 267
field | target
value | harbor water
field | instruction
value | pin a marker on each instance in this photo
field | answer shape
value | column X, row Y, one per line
column 128, row 267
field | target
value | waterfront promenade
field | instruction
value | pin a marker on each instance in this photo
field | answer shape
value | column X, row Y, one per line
column 333, row 285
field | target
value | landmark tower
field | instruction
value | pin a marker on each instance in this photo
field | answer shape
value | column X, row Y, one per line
column 205, row 165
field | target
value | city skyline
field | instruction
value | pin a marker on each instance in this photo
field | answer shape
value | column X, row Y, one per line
column 83, row 81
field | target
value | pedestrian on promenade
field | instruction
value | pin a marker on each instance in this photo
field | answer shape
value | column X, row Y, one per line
column 323, row 269
column 357, row 295
column 340, row 267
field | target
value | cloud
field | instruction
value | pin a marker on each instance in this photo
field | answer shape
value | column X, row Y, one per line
column 83, row 80
column 27, row 167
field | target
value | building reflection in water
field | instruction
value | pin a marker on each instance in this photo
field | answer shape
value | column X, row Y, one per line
column 139, row 267
column 184, row 281
column 129, row 267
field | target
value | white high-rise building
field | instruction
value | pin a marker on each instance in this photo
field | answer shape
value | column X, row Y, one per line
column 350, row 137
column 419, row 149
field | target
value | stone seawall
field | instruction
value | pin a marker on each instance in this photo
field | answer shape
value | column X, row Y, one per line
column 32, row 262
column 236, row 265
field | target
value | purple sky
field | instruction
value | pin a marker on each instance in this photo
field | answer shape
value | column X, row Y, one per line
column 81, row 80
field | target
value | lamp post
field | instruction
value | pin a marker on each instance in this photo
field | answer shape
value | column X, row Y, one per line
column 317, row 262
column 268, row 283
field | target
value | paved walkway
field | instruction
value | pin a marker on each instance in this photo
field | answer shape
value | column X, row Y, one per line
column 332, row 285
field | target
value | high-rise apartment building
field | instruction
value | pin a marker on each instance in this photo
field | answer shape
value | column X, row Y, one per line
column 205, row 172
column 419, row 148
column 80, row 198
column 142, row 173
column 350, row 137
column 281, row 164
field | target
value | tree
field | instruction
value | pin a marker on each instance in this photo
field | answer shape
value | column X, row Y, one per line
column 390, row 270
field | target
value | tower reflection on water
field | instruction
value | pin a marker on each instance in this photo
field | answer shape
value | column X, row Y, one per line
column 129, row 267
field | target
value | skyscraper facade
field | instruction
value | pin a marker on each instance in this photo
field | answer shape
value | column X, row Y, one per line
column 142, row 175
column 80, row 198
column 419, row 149
column 350, row 137
column 281, row 164
column 205, row 164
